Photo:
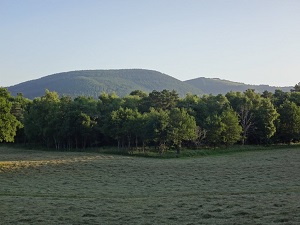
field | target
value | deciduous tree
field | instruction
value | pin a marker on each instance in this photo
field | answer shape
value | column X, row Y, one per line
column 232, row 130
column 264, row 117
column 182, row 126
column 289, row 122
column 8, row 122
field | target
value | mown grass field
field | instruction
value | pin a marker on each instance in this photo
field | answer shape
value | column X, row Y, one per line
column 254, row 187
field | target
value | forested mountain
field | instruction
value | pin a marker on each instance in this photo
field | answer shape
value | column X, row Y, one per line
column 122, row 82
column 218, row 86
column 93, row 82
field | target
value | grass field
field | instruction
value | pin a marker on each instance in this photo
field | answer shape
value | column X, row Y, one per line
column 254, row 187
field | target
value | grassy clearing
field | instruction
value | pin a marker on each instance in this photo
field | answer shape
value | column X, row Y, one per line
column 252, row 187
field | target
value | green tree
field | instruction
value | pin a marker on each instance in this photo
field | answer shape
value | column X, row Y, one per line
column 164, row 100
column 139, row 93
column 209, row 105
column 244, row 105
column 181, row 127
column 123, row 125
column 265, row 116
column 215, row 129
column 40, row 117
column 279, row 97
column 64, row 116
column 19, row 104
column 86, row 128
column 289, row 122
column 208, row 114
column 231, row 132
column 143, row 129
column 190, row 103
column 62, row 122
column 267, row 94
column 296, row 88
column 131, row 102
column 295, row 97
column 8, row 122
column 157, row 122
column 84, row 119
column 108, row 103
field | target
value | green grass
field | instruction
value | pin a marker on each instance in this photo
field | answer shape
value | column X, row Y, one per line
column 188, row 153
column 245, row 187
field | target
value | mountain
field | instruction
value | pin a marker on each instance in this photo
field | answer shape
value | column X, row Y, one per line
column 123, row 81
column 217, row 86
column 93, row 82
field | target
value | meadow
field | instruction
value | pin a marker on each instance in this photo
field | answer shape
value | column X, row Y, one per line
column 251, row 187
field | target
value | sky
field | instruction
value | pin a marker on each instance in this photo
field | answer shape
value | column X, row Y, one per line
column 249, row 41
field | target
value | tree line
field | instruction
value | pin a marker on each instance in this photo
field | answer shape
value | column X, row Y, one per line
column 160, row 119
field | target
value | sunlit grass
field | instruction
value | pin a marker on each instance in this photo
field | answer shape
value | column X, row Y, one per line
column 14, row 165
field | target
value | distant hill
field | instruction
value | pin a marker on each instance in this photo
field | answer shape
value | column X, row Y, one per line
column 94, row 82
column 217, row 86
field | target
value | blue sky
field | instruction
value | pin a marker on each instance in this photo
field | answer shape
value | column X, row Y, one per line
column 250, row 41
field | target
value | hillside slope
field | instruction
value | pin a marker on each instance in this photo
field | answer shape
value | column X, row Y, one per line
column 217, row 86
column 93, row 82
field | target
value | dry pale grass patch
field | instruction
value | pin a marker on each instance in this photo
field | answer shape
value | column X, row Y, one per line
column 89, row 188
column 16, row 159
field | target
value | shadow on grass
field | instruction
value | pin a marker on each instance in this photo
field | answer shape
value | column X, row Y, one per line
column 193, row 153
column 168, row 154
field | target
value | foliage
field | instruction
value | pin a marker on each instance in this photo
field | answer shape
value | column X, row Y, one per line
column 61, row 122
column 231, row 132
column 182, row 127
column 296, row 88
column 157, row 125
column 160, row 120
column 289, row 122
column 244, row 104
column 8, row 122
column 215, row 128
column 265, row 116
column 123, row 125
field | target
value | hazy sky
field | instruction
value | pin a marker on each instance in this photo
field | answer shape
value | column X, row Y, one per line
column 250, row 41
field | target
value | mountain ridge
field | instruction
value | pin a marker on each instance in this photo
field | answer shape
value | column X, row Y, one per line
column 222, row 86
column 123, row 81
column 93, row 82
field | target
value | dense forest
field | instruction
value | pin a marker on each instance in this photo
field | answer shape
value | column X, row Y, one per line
column 159, row 120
